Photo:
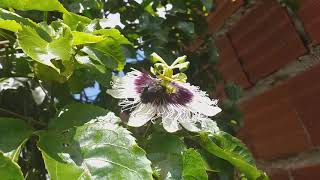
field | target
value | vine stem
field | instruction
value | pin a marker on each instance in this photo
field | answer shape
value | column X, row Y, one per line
column 52, row 97
column 43, row 89
column 22, row 117
column 45, row 16
column 147, row 129
column 211, row 170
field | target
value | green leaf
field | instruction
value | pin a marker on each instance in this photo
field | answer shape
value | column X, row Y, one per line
column 42, row 51
column 93, row 144
column 93, row 25
column 165, row 152
column 221, row 167
column 103, row 78
column 25, row 5
column 194, row 168
column 87, row 61
column 75, row 21
column 231, row 149
column 76, row 115
column 80, row 79
column 10, row 25
column 85, row 38
column 9, row 169
column 61, row 170
column 48, row 73
column 186, row 27
column 7, row 15
column 22, row 67
column 234, row 145
column 13, row 133
column 62, row 40
column 109, row 52
column 96, row 58
column 114, row 34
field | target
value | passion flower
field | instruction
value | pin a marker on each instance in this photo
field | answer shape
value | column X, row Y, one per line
column 165, row 95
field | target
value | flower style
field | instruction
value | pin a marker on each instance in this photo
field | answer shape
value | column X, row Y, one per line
column 166, row 95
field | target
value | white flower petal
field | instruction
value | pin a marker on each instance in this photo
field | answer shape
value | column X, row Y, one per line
column 189, row 126
column 170, row 117
column 141, row 115
column 204, row 108
column 116, row 93
column 124, row 87
column 123, row 93
column 170, row 125
column 200, row 102
column 209, row 125
column 186, row 119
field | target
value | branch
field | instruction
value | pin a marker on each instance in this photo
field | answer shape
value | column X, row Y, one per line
column 22, row 117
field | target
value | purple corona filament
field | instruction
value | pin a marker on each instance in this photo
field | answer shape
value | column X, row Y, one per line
column 153, row 92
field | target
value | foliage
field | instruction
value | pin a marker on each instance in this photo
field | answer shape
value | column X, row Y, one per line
column 232, row 150
column 193, row 166
column 9, row 169
column 91, row 146
column 52, row 53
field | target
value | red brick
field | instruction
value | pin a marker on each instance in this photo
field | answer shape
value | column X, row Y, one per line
column 309, row 12
column 229, row 65
column 279, row 55
column 272, row 125
column 307, row 173
column 258, row 15
column 265, row 39
column 285, row 111
column 243, row 135
column 219, row 91
column 280, row 175
column 224, row 9
column 305, row 96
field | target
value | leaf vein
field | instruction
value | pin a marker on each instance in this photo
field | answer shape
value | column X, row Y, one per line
column 118, row 164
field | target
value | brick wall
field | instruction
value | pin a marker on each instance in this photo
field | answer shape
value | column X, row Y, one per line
column 273, row 54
